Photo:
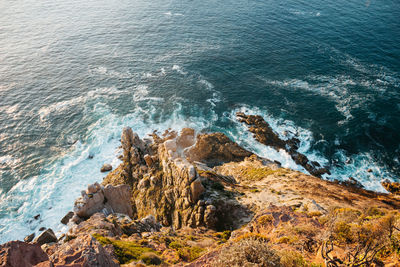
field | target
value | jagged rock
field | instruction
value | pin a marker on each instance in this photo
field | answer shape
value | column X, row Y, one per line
column 36, row 217
column 169, row 187
column 264, row 134
column 197, row 189
column 29, row 238
column 186, row 138
column 106, row 168
column 86, row 206
column 21, row 254
column 83, row 251
column 45, row 237
column 215, row 149
column 67, row 217
column 109, row 199
column 118, row 199
column 392, row 187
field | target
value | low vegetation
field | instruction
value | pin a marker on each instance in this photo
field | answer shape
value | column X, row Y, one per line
column 127, row 251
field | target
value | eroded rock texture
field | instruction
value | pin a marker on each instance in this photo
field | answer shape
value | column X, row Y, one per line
column 165, row 181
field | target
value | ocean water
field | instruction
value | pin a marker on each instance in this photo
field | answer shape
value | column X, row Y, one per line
column 73, row 73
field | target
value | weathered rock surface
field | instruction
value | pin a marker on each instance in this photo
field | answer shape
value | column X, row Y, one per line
column 83, row 251
column 21, row 254
column 169, row 186
column 109, row 199
column 215, row 149
column 45, row 237
column 264, row 134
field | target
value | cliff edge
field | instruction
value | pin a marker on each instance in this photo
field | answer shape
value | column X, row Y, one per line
column 199, row 199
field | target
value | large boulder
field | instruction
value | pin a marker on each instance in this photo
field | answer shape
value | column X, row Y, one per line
column 21, row 254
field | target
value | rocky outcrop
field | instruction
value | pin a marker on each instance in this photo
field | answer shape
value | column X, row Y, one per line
column 215, row 149
column 108, row 199
column 264, row 134
column 164, row 178
column 21, row 254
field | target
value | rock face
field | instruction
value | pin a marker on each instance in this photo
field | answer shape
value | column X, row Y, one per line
column 21, row 254
column 264, row 134
column 165, row 182
column 109, row 199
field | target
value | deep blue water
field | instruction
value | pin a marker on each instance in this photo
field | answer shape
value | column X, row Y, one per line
column 73, row 73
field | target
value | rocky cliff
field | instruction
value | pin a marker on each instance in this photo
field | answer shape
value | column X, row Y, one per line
column 202, row 200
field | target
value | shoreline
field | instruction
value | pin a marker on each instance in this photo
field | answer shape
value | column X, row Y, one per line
column 204, row 182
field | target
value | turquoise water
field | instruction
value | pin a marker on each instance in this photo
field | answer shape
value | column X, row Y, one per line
column 73, row 73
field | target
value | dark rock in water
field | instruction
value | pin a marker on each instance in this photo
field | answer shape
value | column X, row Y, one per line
column 106, row 168
column 36, row 217
column 352, row 183
column 264, row 134
column 369, row 170
column 90, row 156
column 21, row 254
column 42, row 228
column 67, row 217
column 29, row 238
column 47, row 236
column 392, row 187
